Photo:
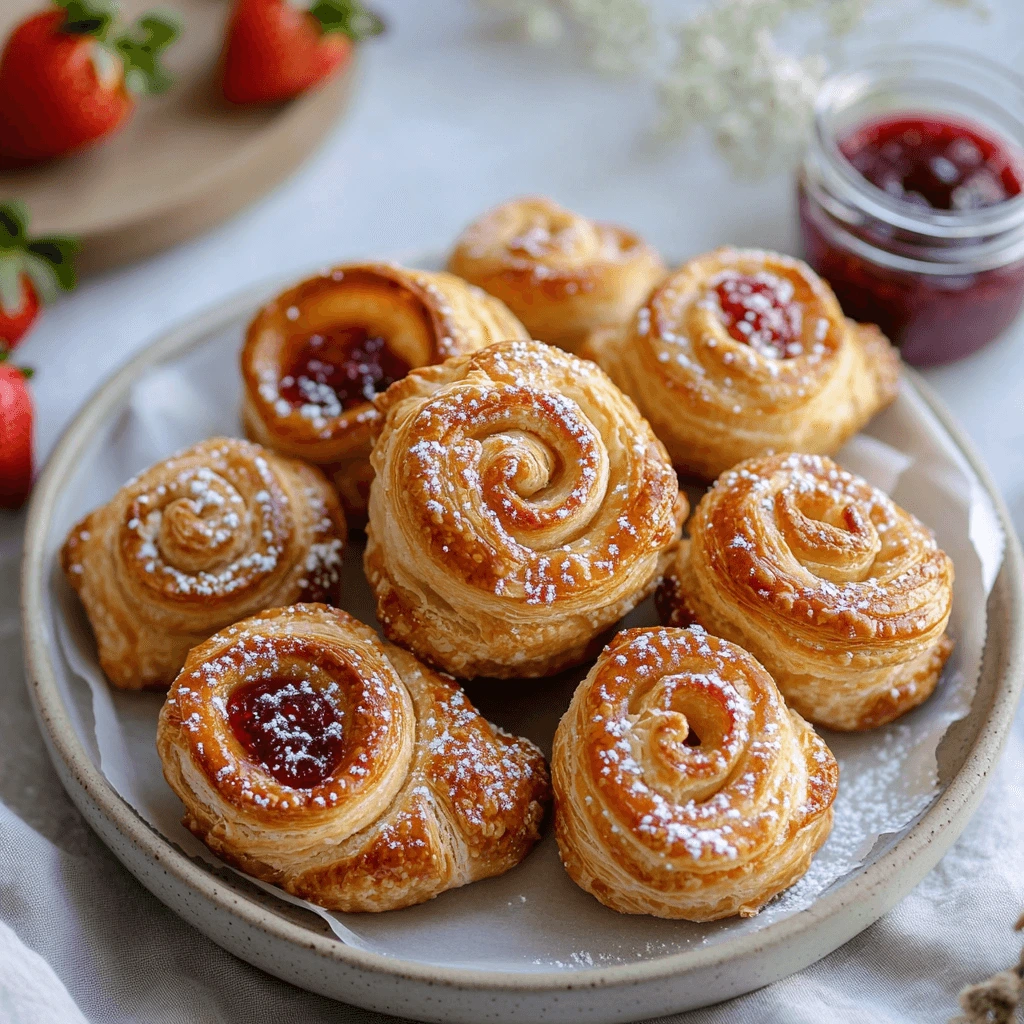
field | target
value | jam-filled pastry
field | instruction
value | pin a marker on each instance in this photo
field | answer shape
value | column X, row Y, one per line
column 314, row 756
column 217, row 532
column 742, row 353
column 315, row 357
column 841, row 594
column 684, row 787
column 521, row 506
column 562, row 274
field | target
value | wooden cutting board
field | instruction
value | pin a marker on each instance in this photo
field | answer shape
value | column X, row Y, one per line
column 184, row 162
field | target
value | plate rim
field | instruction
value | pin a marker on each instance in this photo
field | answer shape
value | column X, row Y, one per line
column 963, row 791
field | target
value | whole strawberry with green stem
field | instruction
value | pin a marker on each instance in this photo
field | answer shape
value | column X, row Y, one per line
column 33, row 271
column 277, row 49
column 70, row 75
column 15, row 434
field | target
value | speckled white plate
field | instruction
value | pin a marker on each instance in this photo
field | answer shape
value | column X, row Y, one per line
column 295, row 945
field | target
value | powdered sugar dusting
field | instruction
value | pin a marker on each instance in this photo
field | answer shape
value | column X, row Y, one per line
column 216, row 520
column 686, row 746
column 807, row 508
column 739, row 331
column 511, row 476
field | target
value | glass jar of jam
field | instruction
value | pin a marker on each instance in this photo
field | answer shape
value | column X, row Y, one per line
column 911, row 198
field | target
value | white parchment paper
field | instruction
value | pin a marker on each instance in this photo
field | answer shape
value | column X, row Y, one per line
column 534, row 917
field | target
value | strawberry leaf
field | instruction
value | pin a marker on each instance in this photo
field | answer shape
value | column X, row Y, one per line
column 27, row 372
column 58, row 252
column 42, row 276
column 141, row 49
column 347, row 16
column 12, row 295
column 48, row 262
column 87, row 17
column 13, row 224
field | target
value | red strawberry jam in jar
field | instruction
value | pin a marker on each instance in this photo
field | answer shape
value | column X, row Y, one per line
column 911, row 198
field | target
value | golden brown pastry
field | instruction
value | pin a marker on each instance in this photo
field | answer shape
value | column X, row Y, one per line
column 315, row 356
column 684, row 787
column 741, row 353
column 198, row 541
column 841, row 594
column 562, row 274
column 312, row 755
column 520, row 507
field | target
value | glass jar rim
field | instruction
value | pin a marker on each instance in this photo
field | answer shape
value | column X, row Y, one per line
column 890, row 63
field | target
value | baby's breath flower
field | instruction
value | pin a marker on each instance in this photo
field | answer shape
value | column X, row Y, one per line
column 730, row 76
column 616, row 35
column 725, row 71
column 543, row 25
column 619, row 34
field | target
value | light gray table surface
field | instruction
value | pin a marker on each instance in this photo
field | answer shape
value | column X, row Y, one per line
column 450, row 118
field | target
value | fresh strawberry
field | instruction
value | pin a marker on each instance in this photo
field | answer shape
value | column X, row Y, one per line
column 69, row 77
column 32, row 271
column 15, row 435
column 15, row 322
column 276, row 50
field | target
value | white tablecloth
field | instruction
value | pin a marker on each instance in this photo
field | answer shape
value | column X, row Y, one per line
column 451, row 118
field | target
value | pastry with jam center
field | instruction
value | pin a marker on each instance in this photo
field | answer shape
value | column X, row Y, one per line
column 316, row 356
column 742, row 352
column 314, row 756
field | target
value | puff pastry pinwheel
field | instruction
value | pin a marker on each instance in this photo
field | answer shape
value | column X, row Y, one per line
column 217, row 532
column 316, row 355
column 520, row 506
column 562, row 274
column 741, row 353
column 314, row 756
column 841, row 594
column 684, row 787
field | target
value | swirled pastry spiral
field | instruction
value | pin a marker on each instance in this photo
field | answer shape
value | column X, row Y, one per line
column 684, row 787
column 841, row 594
column 316, row 355
column 742, row 353
column 312, row 755
column 520, row 506
column 561, row 274
column 198, row 541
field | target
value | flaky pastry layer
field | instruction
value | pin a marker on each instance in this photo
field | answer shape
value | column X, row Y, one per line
column 426, row 795
column 841, row 594
column 715, row 401
column 521, row 506
column 684, row 787
column 213, row 534
column 563, row 275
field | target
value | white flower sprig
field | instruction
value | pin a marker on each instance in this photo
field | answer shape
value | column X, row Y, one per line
column 618, row 35
column 731, row 76
column 722, row 69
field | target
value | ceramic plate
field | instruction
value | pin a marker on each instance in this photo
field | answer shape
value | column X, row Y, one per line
column 296, row 945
